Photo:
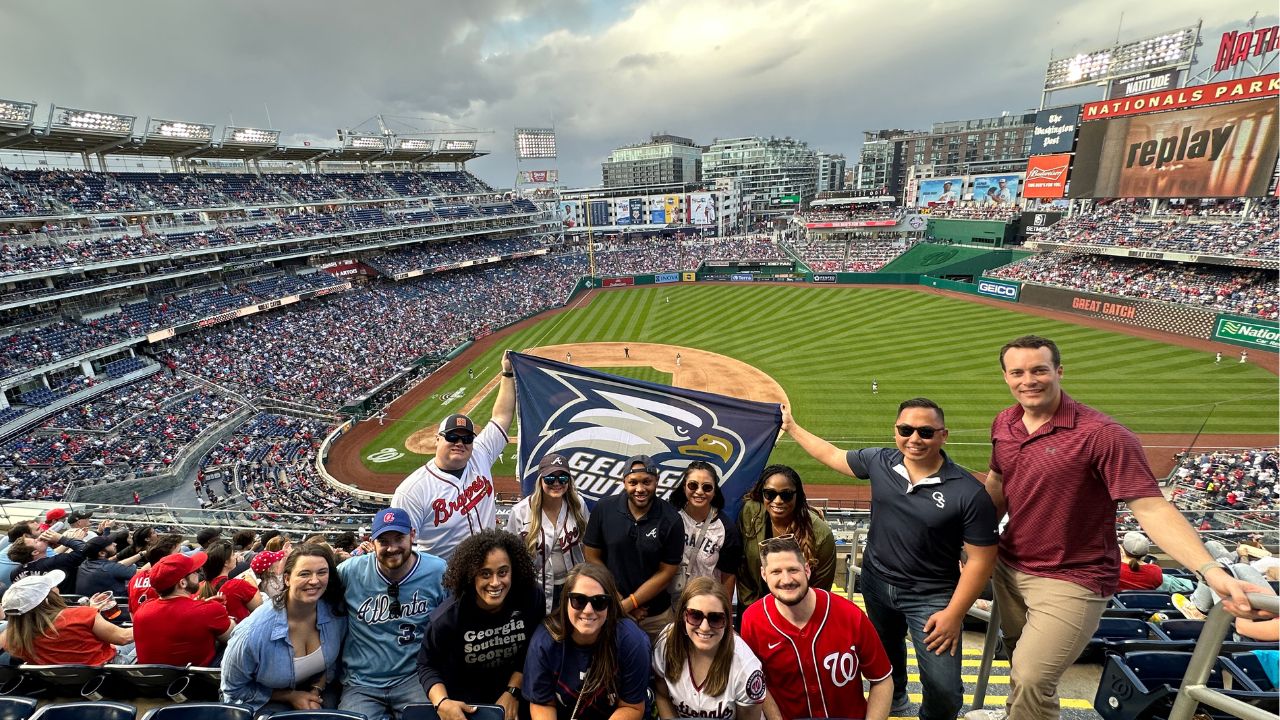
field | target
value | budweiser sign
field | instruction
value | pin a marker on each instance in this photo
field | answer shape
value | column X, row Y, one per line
column 1046, row 176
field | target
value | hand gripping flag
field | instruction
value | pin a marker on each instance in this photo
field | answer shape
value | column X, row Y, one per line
column 598, row 420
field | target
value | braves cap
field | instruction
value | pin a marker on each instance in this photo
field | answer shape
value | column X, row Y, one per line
column 166, row 574
column 391, row 520
column 457, row 423
column 647, row 463
column 553, row 464
column 24, row 595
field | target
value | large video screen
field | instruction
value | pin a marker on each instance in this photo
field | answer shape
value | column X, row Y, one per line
column 1217, row 151
column 940, row 191
column 996, row 189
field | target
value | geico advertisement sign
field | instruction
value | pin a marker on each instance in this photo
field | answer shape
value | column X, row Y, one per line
column 998, row 290
column 1221, row 151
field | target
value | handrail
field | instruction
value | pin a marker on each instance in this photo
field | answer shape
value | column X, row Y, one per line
column 1194, row 690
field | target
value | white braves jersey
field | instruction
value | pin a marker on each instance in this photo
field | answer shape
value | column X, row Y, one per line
column 446, row 509
column 745, row 688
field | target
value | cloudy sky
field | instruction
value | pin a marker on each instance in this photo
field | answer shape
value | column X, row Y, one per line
column 603, row 73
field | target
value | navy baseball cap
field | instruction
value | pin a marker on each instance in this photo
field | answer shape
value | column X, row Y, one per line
column 391, row 520
column 457, row 423
column 647, row 463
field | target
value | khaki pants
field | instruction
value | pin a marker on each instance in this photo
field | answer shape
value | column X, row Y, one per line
column 654, row 624
column 1046, row 625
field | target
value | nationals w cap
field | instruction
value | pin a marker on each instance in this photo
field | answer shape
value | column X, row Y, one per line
column 457, row 423
column 391, row 520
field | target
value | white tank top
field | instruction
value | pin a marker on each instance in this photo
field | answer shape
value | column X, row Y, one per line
column 309, row 666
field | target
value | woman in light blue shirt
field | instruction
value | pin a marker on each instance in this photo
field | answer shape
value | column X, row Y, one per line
column 284, row 656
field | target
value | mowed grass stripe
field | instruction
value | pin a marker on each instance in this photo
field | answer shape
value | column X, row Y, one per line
column 825, row 345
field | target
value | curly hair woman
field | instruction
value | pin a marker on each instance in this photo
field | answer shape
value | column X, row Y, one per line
column 588, row 661
column 775, row 507
column 474, row 648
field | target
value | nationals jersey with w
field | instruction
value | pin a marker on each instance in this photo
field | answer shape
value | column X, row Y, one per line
column 446, row 508
column 745, row 687
column 816, row 671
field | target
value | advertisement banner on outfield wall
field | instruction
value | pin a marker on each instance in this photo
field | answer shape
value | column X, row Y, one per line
column 689, row 277
column 940, row 191
column 1220, row 151
column 1165, row 317
column 1046, row 176
column 618, row 282
column 702, row 209
column 666, row 278
column 671, row 206
column 599, row 210
column 824, row 277
column 998, row 289
column 1250, row 88
column 1034, row 223
column 996, row 189
column 1251, row 332
column 596, row 421
column 569, row 214
column 1055, row 130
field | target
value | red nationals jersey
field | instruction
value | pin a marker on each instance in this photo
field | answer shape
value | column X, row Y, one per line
column 816, row 671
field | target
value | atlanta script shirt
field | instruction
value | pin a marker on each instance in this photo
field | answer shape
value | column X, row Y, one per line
column 445, row 508
column 816, row 671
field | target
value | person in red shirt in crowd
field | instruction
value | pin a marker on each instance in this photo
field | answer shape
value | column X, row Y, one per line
column 177, row 628
column 241, row 597
column 140, row 584
column 42, row 629
column 1134, row 573
column 816, row 647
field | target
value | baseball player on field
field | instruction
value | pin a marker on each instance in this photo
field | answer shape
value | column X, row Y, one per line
column 451, row 497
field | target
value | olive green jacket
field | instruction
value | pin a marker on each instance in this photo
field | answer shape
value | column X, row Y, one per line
column 751, row 523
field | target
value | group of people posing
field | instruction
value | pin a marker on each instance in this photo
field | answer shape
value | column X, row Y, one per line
column 628, row 607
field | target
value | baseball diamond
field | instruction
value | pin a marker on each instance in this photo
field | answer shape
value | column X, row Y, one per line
column 821, row 347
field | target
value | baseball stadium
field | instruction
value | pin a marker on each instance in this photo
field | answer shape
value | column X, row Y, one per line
column 266, row 337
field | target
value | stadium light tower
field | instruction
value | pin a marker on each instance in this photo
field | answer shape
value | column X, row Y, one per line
column 1172, row 51
column 17, row 113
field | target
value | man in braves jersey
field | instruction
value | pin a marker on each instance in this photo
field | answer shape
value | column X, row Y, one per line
column 816, row 647
column 451, row 497
column 390, row 594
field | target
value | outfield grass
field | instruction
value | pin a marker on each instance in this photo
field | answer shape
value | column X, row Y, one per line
column 825, row 346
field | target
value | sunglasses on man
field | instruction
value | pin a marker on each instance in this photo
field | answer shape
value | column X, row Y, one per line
column 926, row 432
column 464, row 438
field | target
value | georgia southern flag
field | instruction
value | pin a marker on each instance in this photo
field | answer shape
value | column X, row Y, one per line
column 598, row 420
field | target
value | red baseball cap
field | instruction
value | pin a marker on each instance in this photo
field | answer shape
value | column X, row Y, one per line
column 55, row 515
column 166, row 574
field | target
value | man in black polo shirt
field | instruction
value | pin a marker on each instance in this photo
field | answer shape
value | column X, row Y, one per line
column 640, row 538
column 925, row 509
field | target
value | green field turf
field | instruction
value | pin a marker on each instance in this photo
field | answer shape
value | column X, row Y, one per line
column 824, row 346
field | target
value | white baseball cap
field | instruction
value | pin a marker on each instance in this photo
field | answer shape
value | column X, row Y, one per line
column 24, row 595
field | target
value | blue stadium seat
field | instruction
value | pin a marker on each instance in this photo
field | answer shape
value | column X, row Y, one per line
column 1148, row 601
column 206, row 683
column 1186, row 632
column 1143, row 685
column 69, row 681
column 200, row 711
column 17, row 708
column 125, row 682
column 313, row 715
column 1251, row 666
column 86, row 711
column 1120, row 635
column 426, row 711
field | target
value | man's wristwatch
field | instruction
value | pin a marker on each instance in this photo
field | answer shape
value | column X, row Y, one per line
column 1200, row 571
column 508, row 374
column 515, row 692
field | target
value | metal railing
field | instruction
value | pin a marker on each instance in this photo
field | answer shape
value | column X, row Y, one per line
column 1195, row 690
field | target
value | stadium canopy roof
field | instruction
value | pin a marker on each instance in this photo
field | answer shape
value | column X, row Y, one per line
column 853, row 201
column 30, row 138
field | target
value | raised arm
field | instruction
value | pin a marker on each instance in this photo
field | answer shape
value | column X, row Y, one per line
column 504, row 408
column 821, row 450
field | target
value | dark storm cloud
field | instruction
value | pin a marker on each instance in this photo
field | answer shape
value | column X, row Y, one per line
column 603, row 74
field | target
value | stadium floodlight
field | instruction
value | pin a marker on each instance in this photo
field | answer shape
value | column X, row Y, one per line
column 92, row 122
column 177, row 130
column 457, row 145
column 417, row 145
column 364, row 142
column 534, row 143
column 14, row 112
column 1157, row 52
column 250, row 136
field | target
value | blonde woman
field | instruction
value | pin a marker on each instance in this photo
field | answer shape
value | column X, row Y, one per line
column 44, row 630
column 551, row 520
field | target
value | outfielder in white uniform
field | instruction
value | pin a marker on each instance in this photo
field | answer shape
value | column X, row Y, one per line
column 452, row 497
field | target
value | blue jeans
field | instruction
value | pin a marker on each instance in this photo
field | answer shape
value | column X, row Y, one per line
column 382, row 703
column 894, row 611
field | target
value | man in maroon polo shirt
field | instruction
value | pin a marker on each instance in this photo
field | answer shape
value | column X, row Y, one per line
column 1059, row 468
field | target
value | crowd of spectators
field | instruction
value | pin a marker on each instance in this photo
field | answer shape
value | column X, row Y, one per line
column 1244, row 484
column 849, row 255
column 861, row 212
column 1214, row 230
column 632, row 254
column 975, row 211
column 1247, row 292
column 429, row 256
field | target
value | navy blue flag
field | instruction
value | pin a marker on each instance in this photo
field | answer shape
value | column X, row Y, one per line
column 598, row 420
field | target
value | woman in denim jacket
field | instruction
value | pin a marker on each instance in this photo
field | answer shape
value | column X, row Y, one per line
column 285, row 655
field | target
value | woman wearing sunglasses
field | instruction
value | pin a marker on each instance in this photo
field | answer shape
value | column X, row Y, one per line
column 712, row 547
column 473, row 651
column 776, row 507
column 588, row 661
column 551, row 520
column 702, row 668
